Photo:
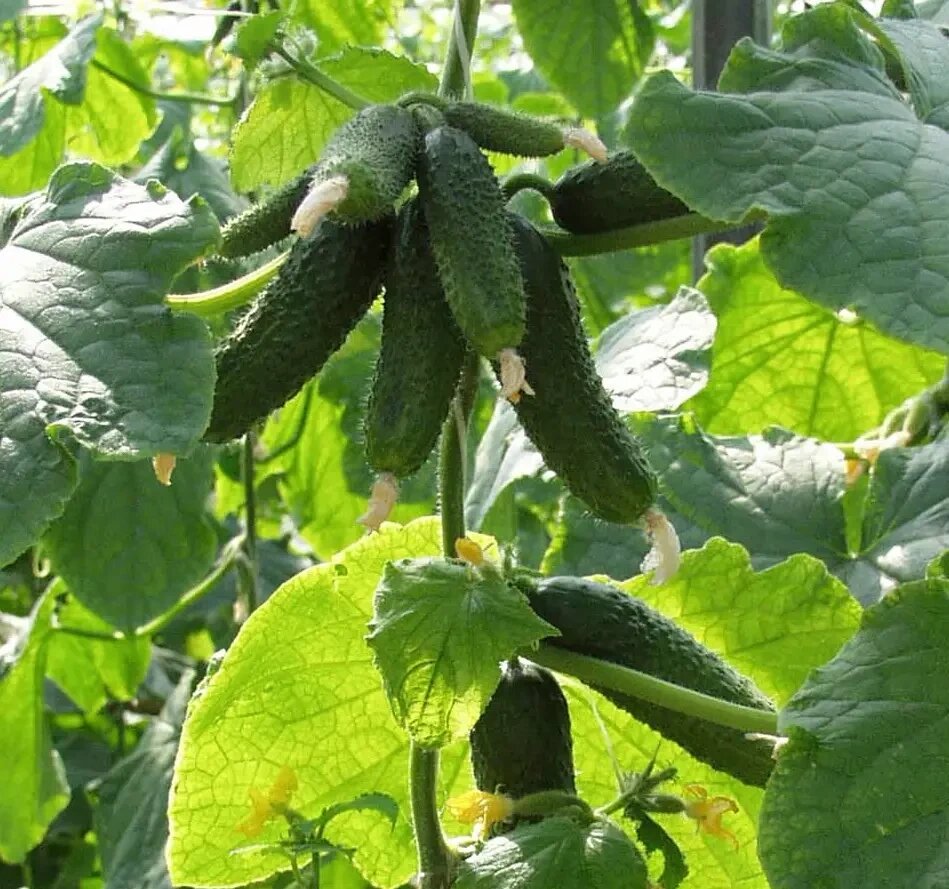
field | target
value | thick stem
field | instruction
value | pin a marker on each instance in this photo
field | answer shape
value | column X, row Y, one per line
column 519, row 181
column 247, row 578
column 687, row 226
column 593, row 671
column 189, row 98
column 232, row 295
column 434, row 861
column 456, row 75
column 314, row 75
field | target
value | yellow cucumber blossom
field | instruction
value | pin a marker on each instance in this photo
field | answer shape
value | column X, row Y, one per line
column 269, row 805
column 707, row 812
column 482, row 809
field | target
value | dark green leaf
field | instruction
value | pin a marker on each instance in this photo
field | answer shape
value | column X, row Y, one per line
column 131, row 820
column 655, row 839
column 924, row 54
column 593, row 52
column 860, row 784
column 858, row 220
column 124, row 531
column 90, row 353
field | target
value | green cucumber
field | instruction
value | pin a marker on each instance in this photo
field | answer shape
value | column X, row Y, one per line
column 509, row 132
column 471, row 239
column 375, row 151
column 601, row 197
column 570, row 417
column 293, row 326
column 420, row 359
column 522, row 742
column 265, row 223
column 601, row 621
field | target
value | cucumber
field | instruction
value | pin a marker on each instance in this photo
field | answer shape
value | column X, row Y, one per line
column 375, row 153
column 570, row 417
column 420, row 358
column 602, row 197
column 267, row 222
column 300, row 318
column 603, row 622
column 522, row 742
column 498, row 129
column 471, row 239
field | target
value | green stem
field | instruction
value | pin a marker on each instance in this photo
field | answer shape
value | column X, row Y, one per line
column 596, row 672
column 456, row 75
column 452, row 458
column 519, row 181
column 309, row 72
column 687, row 226
column 434, row 860
column 190, row 98
column 247, row 578
column 228, row 296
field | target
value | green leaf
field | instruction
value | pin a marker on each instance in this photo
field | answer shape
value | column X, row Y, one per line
column 35, row 789
column 298, row 688
column 655, row 839
column 30, row 167
column 773, row 626
column 90, row 353
column 856, row 221
column 122, row 531
column 439, row 631
column 356, row 22
column 935, row 11
column 132, row 801
column 605, row 738
column 284, row 130
column 924, row 55
column 781, row 360
column 90, row 670
column 59, row 75
column 859, row 784
column 556, row 852
column 254, row 35
column 593, row 52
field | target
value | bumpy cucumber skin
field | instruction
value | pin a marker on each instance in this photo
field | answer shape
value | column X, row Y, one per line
column 522, row 742
column 420, row 358
column 301, row 318
column 570, row 417
column 377, row 151
column 603, row 622
column 497, row 129
column 267, row 222
column 471, row 239
column 594, row 197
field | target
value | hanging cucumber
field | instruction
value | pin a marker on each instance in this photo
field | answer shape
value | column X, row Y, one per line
column 571, row 418
column 471, row 239
column 364, row 168
column 265, row 223
column 522, row 742
column 603, row 622
column 592, row 197
column 418, row 366
column 295, row 324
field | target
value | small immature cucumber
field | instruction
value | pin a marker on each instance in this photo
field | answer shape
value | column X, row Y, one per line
column 421, row 355
column 497, row 129
column 265, row 223
column 594, row 197
column 570, row 417
column 295, row 324
column 522, row 742
column 603, row 622
column 471, row 239
column 375, row 151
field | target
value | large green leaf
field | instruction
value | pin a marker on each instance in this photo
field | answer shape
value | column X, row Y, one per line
column 860, row 784
column 298, row 689
column 780, row 359
column 59, row 75
column 93, row 670
column 355, row 22
column 593, row 52
column 127, row 546
column 774, row 625
column 439, row 632
column 90, row 353
column 556, row 852
column 35, row 788
column 132, row 801
column 856, row 188
column 286, row 127
column 924, row 54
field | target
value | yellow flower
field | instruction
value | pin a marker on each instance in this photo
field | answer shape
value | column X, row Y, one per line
column 482, row 809
column 269, row 805
column 707, row 812
column 469, row 551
